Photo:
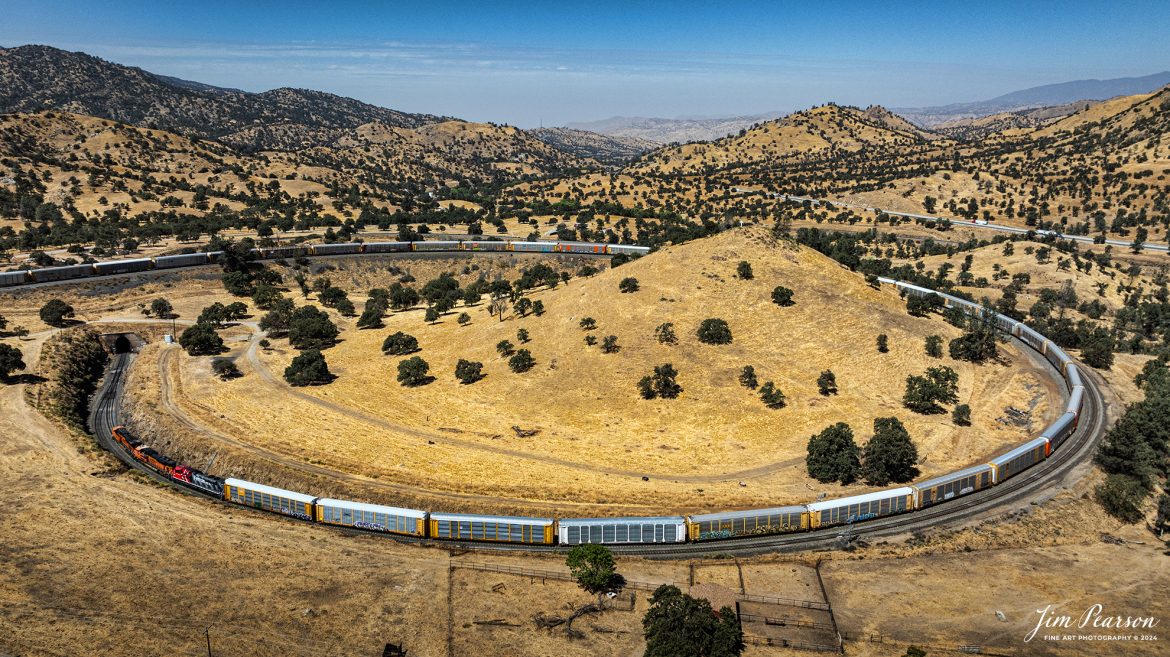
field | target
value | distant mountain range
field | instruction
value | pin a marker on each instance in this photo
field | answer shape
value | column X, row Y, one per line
column 1065, row 93
column 682, row 130
column 36, row 78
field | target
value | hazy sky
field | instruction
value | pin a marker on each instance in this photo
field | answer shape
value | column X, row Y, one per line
column 527, row 63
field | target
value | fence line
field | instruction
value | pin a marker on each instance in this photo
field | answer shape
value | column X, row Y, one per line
column 785, row 622
column 785, row 643
column 632, row 584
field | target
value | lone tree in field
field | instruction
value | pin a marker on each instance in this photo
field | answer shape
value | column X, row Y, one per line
column 413, row 372
column 308, row 369
column 744, row 270
column 468, row 371
column 609, row 345
column 538, row 307
column 201, row 340
column 714, row 331
column 660, row 384
column 522, row 306
column 464, row 319
column 890, row 456
column 628, row 284
column 883, row 343
column 505, row 348
column 521, row 361
column 782, row 296
column 56, row 313
column 833, row 456
column 225, row 368
column 522, row 336
column 747, row 377
column 772, row 396
column 11, row 360
column 665, row 334
column 677, row 624
column 161, row 308
column 587, row 323
column 827, row 383
column 594, row 569
column 399, row 344
column 939, row 385
column 431, row 315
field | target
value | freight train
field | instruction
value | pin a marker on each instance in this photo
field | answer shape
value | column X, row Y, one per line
column 666, row 529
column 111, row 267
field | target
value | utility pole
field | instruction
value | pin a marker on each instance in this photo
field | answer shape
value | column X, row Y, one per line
column 207, row 633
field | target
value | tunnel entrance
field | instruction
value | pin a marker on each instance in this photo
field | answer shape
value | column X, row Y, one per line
column 121, row 343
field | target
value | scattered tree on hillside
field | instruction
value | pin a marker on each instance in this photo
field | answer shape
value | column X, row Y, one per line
column 505, row 348
column 939, row 385
column 883, row 343
column 662, row 383
column 538, row 307
column 468, row 371
column 588, row 323
column 521, row 361
column 772, row 396
column 590, row 339
column 961, row 415
column 890, row 455
column 628, row 284
column 413, row 372
column 464, row 319
column 747, row 377
column 934, row 346
column 308, row 369
column 609, row 345
column 522, row 336
column 431, row 315
column 744, row 270
column 1097, row 349
column 665, row 334
column 979, row 340
column 399, row 344
column 522, row 306
column 714, row 331
column 827, row 383
column 782, row 296
column 833, row 456
column 921, row 306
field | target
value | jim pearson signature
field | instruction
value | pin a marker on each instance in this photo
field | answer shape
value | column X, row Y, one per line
column 1093, row 617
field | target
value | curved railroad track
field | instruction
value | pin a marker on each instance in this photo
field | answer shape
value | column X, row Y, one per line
column 1015, row 493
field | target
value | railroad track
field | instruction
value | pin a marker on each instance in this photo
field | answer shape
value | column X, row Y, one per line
column 1017, row 492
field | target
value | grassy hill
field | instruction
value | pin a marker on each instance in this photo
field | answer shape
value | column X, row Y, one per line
column 596, row 436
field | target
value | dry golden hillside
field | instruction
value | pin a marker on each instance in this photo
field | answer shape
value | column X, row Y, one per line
column 818, row 131
column 715, row 446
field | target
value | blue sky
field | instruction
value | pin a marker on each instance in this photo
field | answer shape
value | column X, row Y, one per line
column 528, row 63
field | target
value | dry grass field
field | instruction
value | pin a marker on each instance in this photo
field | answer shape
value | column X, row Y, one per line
column 717, row 446
column 90, row 547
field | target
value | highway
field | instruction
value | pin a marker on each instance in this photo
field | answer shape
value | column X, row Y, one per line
column 1149, row 246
